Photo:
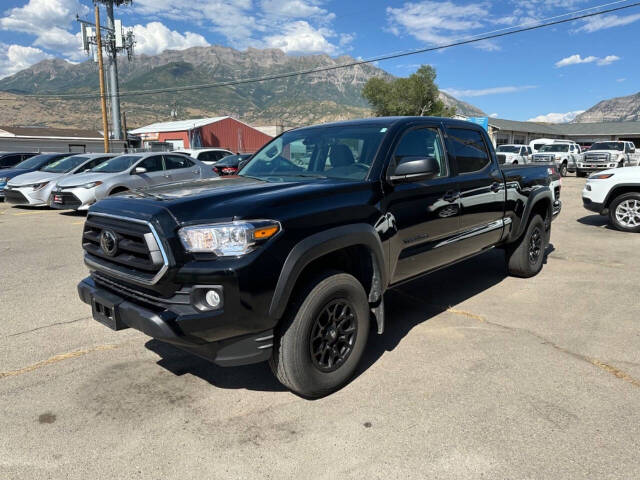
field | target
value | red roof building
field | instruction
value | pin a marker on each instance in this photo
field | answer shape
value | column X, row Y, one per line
column 222, row 132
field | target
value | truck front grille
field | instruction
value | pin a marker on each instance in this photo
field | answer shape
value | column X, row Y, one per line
column 124, row 247
column 596, row 157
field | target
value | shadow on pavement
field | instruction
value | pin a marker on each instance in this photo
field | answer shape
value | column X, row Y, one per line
column 251, row 377
column 596, row 221
column 407, row 306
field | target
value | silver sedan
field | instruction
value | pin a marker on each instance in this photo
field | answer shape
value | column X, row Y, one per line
column 123, row 173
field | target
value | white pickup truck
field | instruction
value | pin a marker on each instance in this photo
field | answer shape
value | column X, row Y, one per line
column 564, row 154
column 513, row 154
column 603, row 155
column 616, row 193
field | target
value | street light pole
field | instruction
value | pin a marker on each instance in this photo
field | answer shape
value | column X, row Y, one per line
column 103, row 102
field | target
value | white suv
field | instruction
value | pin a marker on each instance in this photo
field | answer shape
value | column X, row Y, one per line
column 616, row 193
column 206, row 155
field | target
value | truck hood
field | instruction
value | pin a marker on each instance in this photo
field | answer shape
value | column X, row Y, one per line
column 33, row 177
column 225, row 198
column 82, row 178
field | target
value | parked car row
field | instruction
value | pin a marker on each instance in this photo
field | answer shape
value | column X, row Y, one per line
column 66, row 181
column 568, row 156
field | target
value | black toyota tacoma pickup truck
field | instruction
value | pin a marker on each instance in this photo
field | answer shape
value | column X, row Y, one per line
column 289, row 260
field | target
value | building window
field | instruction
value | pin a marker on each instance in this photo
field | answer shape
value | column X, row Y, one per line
column 502, row 140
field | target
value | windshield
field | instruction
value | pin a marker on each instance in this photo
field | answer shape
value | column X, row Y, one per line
column 333, row 152
column 555, row 148
column 608, row 146
column 508, row 149
column 64, row 165
column 116, row 164
column 35, row 162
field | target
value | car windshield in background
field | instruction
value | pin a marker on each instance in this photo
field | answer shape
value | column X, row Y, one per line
column 555, row 148
column 333, row 152
column 64, row 165
column 608, row 146
column 33, row 162
column 117, row 164
column 508, row 149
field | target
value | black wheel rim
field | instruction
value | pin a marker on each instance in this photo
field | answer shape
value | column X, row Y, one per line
column 535, row 246
column 333, row 335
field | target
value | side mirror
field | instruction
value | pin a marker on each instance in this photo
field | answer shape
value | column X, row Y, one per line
column 409, row 169
column 139, row 170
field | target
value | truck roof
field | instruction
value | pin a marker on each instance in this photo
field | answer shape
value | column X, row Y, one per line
column 392, row 121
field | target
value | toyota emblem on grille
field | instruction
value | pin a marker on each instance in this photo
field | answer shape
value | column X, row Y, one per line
column 109, row 242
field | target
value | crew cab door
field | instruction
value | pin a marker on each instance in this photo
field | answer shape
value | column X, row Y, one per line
column 482, row 190
column 423, row 212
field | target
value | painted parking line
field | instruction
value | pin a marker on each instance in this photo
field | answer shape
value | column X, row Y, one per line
column 43, row 212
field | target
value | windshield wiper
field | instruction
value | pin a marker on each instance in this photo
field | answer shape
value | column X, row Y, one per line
column 304, row 175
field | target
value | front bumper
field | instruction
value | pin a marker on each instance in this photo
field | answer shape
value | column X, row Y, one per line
column 72, row 198
column 593, row 206
column 595, row 167
column 27, row 196
column 161, row 322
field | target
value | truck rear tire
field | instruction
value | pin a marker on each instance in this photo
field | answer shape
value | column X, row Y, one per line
column 526, row 256
column 624, row 212
column 322, row 336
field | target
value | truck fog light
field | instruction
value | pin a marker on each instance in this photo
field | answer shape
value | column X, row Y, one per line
column 212, row 298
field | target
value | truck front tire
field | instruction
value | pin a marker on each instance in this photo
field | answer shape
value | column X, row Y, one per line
column 526, row 256
column 564, row 169
column 323, row 335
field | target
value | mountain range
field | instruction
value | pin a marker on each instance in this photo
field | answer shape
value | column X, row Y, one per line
column 296, row 100
column 620, row 109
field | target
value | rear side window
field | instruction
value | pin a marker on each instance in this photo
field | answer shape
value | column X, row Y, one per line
column 470, row 150
column 173, row 162
column 423, row 142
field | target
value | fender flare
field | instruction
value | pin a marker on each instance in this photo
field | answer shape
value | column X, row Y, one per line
column 536, row 197
column 319, row 244
column 610, row 194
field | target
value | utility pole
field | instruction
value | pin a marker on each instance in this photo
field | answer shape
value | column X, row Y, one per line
column 113, row 75
column 116, row 41
column 103, row 100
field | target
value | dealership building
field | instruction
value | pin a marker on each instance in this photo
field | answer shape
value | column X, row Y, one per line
column 46, row 139
column 513, row 132
column 221, row 132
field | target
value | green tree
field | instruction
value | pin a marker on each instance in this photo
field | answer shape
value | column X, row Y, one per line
column 416, row 95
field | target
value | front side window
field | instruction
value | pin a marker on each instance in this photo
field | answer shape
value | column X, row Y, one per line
column 470, row 150
column 152, row 164
column 343, row 152
column 421, row 143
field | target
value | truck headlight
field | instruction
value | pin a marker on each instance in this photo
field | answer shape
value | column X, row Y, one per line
column 228, row 239
column 600, row 176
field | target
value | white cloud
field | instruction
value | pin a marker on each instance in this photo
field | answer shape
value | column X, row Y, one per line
column 155, row 38
column 301, row 37
column 557, row 117
column 577, row 59
column 595, row 24
column 49, row 21
column 436, row 22
column 294, row 8
column 620, row 80
column 608, row 60
column 486, row 91
column 14, row 58
column 494, row 115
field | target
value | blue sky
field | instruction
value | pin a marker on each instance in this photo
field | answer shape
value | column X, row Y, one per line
column 559, row 70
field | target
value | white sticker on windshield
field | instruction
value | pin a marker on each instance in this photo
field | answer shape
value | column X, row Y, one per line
column 382, row 130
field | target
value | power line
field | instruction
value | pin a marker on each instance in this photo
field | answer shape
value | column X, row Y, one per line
column 549, row 22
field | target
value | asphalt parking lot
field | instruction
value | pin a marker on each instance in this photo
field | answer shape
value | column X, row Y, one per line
column 479, row 375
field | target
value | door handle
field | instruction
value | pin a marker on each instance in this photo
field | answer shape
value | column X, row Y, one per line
column 495, row 187
column 451, row 196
